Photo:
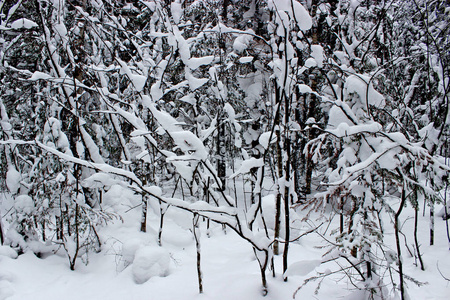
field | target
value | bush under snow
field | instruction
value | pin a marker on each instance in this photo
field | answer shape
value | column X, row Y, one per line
column 150, row 262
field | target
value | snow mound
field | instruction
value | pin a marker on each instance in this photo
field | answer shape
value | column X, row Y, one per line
column 150, row 262
column 24, row 204
column 302, row 268
column 8, row 252
column 129, row 249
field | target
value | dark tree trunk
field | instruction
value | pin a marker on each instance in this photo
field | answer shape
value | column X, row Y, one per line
column 276, row 246
column 2, row 239
column 287, row 177
column 221, row 151
column 197, row 245
column 431, row 223
column 397, row 240
column 416, row 242
column 144, row 214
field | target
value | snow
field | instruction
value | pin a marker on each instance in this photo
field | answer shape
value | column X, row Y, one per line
column 195, row 62
column 13, row 179
column 310, row 63
column 177, row 11
column 302, row 16
column 243, row 41
column 39, row 75
column 317, row 54
column 303, row 88
column 302, row 268
column 247, row 165
column 137, row 80
column 363, row 87
column 166, row 120
column 246, row 59
column 24, row 204
column 150, row 262
column 194, row 82
column 264, row 139
column 7, row 251
column 99, row 180
column 23, row 23
column 190, row 144
column 230, row 270
column 299, row 12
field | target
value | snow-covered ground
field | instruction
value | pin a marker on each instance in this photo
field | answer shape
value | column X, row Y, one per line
column 230, row 270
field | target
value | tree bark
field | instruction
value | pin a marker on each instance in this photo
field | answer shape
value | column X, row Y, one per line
column 144, row 214
column 431, row 223
column 397, row 240
column 276, row 246
column 2, row 240
column 197, row 245
column 416, row 213
column 221, row 151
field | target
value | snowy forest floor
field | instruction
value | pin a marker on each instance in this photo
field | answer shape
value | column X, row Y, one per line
column 229, row 268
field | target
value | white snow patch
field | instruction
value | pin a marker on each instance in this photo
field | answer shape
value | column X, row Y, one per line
column 8, row 252
column 150, row 262
column 264, row 139
column 363, row 86
column 317, row 54
column 24, row 204
column 13, row 179
column 23, row 23
column 246, row 59
column 39, row 75
column 302, row 267
column 247, row 165
column 195, row 62
column 177, row 12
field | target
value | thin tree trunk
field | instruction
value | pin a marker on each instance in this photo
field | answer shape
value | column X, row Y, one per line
column 2, row 239
column 263, row 259
column 308, row 174
column 144, row 214
column 446, row 214
column 287, row 177
column 341, row 215
column 221, row 151
column 416, row 213
column 43, row 230
column 286, row 211
column 197, row 245
column 162, row 212
column 431, row 223
column 276, row 246
column 354, row 250
column 225, row 11
column 397, row 240
column 77, row 238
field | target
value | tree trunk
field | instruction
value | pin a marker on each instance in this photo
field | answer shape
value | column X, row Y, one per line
column 416, row 213
column 2, row 239
column 221, row 151
column 431, row 223
column 144, row 214
column 72, row 260
column 397, row 240
column 197, row 245
column 225, row 11
column 287, row 178
column 341, row 215
column 276, row 246
column 263, row 259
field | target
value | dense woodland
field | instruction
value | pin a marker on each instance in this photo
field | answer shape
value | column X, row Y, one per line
column 336, row 111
